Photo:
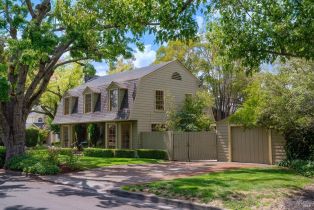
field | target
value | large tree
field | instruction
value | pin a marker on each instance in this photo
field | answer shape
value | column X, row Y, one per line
column 36, row 38
column 225, row 79
column 260, row 31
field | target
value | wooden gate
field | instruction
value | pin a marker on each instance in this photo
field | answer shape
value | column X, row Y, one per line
column 250, row 145
column 189, row 146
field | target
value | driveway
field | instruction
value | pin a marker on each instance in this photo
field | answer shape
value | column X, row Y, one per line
column 103, row 179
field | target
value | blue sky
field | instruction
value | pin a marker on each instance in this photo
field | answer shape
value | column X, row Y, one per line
column 147, row 56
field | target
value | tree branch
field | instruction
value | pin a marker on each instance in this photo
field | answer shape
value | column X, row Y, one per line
column 70, row 61
column 30, row 9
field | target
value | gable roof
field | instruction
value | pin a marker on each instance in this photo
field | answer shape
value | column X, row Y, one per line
column 122, row 76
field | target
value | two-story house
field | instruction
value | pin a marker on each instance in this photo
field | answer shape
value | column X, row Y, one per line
column 125, row 104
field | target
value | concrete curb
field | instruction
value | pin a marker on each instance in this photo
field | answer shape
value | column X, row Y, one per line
column 161, row 200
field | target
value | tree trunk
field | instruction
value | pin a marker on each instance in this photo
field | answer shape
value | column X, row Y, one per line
column 12, row 122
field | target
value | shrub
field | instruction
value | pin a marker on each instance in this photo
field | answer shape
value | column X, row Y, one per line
column 2, row 156
column 124, row 153
column 35, row 136
column 53, row 156
column 152, row 154
column 56, row 144
column 66, row 151
column 303, row 167
column 72, row 162
column 98, row 152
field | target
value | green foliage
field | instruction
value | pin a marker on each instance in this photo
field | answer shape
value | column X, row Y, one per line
column 120, row 65
column 282, row 101
column 35, row 136
column 152, row 154
column 124, row 153
column 98, row 152
column 33, row 164
column 303, row 167
column 72, row 162
column 193, row 116
column 2, row 156
column 66, row 151
column 93, row 134
column 56, row 144
column 257, row 32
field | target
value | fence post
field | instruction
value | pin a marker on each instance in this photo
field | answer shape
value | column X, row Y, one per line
column 189, row 146
column 270, row 147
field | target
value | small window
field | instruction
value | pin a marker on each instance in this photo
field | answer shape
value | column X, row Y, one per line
column 40, row 120
column 176, row 76
column 159, row 100
column 158, row 127
column 75, row 105
column 113, row 97
column 88, row 103
column 97, row 103
column 66, row 106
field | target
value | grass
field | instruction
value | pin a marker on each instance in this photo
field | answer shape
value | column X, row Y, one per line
column 236, row 189
column 96, row 162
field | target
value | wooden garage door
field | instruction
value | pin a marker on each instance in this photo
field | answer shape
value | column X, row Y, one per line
column 249, row 145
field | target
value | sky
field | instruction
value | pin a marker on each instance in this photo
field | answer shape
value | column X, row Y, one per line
column 146, row 57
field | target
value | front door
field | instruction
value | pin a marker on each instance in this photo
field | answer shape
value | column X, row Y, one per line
column 111, row 135
column 125, row 135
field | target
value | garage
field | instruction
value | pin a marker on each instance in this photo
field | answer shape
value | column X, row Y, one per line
column 250, row 145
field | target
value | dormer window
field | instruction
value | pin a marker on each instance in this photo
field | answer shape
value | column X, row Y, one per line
column 176, row 76
column 113, row 99
column 97, row 102
column 88, row 103
column 74, row 105
column 66, row 110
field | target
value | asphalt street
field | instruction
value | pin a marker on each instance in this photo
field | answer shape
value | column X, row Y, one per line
column 23, row 193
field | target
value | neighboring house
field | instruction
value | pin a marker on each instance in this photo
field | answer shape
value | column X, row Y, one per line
column 35, row 119
column 125, row 104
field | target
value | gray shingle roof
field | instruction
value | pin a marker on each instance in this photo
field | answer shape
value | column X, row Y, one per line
column 122, row 76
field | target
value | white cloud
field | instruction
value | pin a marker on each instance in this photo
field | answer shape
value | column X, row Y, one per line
column 200, row 22
column 101, row 68
column 144, row 58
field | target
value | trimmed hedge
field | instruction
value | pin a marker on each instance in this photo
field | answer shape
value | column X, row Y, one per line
column 152, row 154
column 125, row 153
column 2, row 156
column 98, row 152
column 35, row 136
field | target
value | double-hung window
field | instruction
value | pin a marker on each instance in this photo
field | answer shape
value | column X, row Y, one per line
column 113, row 100
column 159, row 100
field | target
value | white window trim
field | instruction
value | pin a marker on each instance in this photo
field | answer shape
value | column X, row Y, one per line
column 69, row 111
column 116, row 138
column 164, row 100
column 91, row 98
column 109, row 100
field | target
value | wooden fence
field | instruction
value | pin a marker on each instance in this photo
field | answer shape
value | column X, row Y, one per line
column 183, row 146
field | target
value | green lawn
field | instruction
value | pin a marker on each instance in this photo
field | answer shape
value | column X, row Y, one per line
column 236, row 189
column 95, row 162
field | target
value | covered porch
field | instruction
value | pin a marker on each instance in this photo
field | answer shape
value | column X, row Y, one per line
column 111, row 135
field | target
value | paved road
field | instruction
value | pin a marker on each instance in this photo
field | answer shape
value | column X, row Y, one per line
column 22, row 193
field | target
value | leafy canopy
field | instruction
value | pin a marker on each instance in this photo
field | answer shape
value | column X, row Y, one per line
column 194, row 115
column 260, row 31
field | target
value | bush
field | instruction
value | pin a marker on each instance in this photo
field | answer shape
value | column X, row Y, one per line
column 152, row 154
column 56, row 144
column 72, row 162
column 303, row 167
column 124, row 153
column 35, row 136
column 66, row 151
column 2, row 156
column 98, row 152
column 33, row 164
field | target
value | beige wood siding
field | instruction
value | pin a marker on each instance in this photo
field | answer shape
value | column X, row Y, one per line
column 250, row 145
column 143, row 109
column 222, row 141
column 202, row 145
column 278, row 147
